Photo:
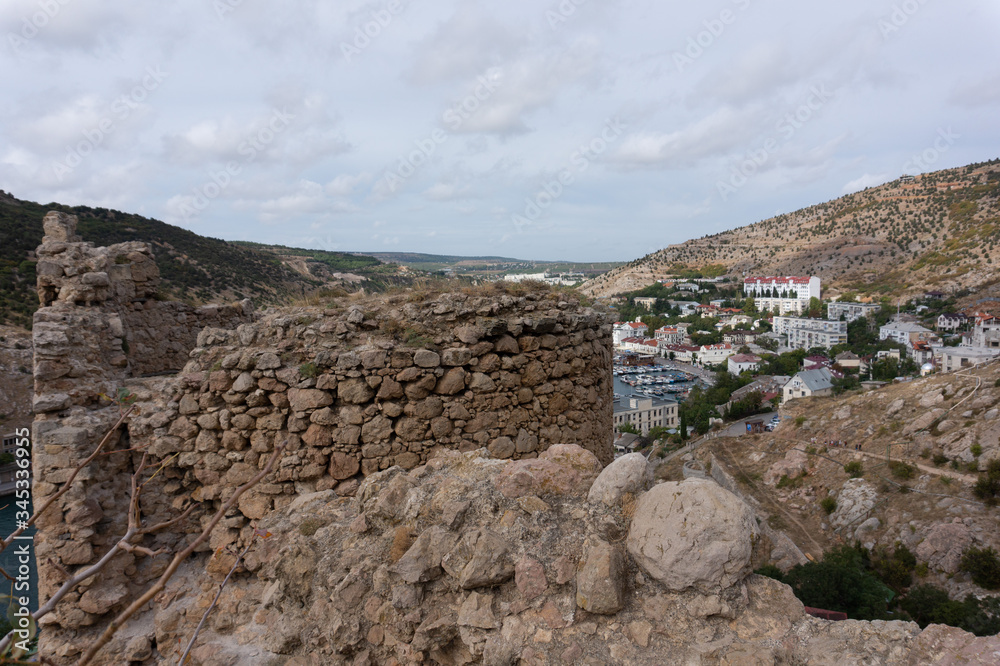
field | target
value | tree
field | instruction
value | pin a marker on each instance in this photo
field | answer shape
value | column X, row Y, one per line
column 840, row 582
column 683, row 426
column 657, row 433
column 628, row 427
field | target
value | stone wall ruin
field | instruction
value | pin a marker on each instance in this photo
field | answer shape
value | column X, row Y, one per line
column 351, row 389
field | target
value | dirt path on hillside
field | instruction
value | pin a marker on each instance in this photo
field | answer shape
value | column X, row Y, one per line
column 800, row 534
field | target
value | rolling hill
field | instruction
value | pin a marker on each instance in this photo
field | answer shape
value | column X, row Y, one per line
column 194, row 268
column 936, row 231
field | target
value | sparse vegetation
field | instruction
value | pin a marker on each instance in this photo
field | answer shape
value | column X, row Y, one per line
column 828, row 504
column 854, row 469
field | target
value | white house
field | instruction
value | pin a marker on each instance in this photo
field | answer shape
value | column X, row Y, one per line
column 951, row 321
column 956, row 358
column 742, row 363
column 647, row 302
column 627, row 329
column 808, row 383
column 905, row 333
column 714, row 354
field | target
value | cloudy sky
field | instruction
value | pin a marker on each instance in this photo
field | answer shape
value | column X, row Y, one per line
column 584, row 130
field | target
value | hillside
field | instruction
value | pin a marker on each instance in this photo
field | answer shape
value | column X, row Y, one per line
column 194, row 268
column 939, row 231
column 943, row 429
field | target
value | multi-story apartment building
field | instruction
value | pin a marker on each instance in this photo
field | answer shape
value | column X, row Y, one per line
column 789, row 294
column 669, row 335
column 648, row 302
column 851, row 311
column 805, row 333
column 646, row 413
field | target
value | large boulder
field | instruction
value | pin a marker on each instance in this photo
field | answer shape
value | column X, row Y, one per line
column 629, row 474
column 693, row 534
column 857, row 497
column 943, row 546
column 563, row 469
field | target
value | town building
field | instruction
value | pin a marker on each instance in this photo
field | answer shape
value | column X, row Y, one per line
column 951, row 321
column 669, row 335
column 645, row 413
column 806, row 333
column 685, row 307
column 738, row 338
column 905, row 333
column 739, row 363
column 851, row 311
column 627, row 329
column 714, row 354
column 956, row 358
column 849, row 360
column 682, row 353
column 986, row 332
column 789, row 294
column 808, row 383
column 648, row 302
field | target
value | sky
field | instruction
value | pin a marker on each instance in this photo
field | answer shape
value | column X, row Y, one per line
column 580, row 130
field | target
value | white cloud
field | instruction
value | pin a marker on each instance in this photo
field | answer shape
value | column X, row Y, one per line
column 867, row 180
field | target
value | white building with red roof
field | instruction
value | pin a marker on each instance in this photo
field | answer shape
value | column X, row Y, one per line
column 628, row 329
column 669, row 335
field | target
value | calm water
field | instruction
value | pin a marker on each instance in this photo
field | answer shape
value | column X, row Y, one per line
column 8, row 560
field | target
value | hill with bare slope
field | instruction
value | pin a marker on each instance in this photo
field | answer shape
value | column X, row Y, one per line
column 937, row 231
column 918, row 447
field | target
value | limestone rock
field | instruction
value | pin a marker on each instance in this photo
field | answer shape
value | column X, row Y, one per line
column 600, row 584
column 856, row 498
column 631, row 473
column 693, row 534
column 563, row 469
column 422, row 561
column 794, row 463
column 943, row 546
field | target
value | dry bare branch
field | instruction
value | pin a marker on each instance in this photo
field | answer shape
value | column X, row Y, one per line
column 160, row 584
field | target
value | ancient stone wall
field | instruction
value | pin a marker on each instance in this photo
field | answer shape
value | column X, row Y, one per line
column 351, row 389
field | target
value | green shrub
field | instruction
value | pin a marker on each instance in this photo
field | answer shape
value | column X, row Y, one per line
column 854, row 469
column 799, row 420
column 984, row 567
column 939, row 459
column 309, row 370
column 976, row 450
column 902, row 470
column 987, row 486
column 828, row 504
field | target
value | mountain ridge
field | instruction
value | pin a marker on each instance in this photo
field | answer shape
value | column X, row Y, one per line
column 937, row 230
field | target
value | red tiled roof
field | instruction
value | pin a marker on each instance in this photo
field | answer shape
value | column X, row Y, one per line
column 635, row 324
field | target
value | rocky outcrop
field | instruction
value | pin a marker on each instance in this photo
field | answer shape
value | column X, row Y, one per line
column 943, row 546
column 499, row 583
column 856, row 499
